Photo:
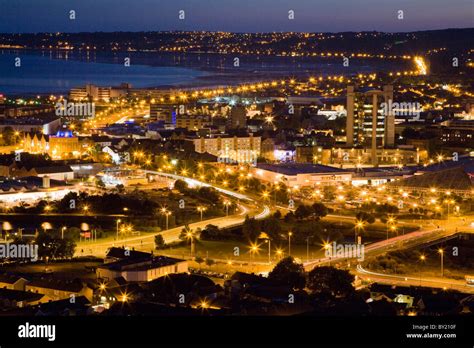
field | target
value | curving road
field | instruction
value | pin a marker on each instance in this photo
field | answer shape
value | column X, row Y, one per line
column 147, row 242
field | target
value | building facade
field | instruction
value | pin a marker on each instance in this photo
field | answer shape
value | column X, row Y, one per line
column 369, row 123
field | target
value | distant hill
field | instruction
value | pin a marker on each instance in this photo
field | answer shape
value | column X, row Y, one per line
column 420, row 42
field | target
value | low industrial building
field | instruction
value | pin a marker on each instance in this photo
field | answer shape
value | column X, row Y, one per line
column 299, row 175
column 139, row 267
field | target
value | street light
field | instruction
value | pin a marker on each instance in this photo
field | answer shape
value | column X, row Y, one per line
column 326, row 247
column 359, row 225
column 279, row 253
column 449, row 201
column 118, row 224
column 422, row 259
column 62, row 231
column 441, row 253
column 201, row 209
column 253, row 249
column 390, row 221
column 190, row 235
column 166, row 213
column 227, row 203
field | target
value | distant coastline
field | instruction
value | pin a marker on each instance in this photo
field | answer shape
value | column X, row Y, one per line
column 57, row 71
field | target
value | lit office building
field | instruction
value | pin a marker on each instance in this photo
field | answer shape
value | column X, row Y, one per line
column 369, row 123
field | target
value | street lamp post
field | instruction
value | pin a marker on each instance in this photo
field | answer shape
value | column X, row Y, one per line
column 390, row 222
column 422, row 259
column 253, row 250
column 118, row 224
column 289, row 243
column 167, row 214
column 201, row 210
column 359, row 225
column 226, row 203
column 62, row 232
column 441, row 253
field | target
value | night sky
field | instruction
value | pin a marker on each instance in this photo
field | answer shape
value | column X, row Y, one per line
column 234, row 15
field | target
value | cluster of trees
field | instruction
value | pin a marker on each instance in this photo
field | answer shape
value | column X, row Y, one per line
column 205, row 194
column 313, row 212
column 212, row 232
column 9, row 136
column 327, row 281
column 107, row 203
column 385, row 208
column 51, row 246
column 365, row 217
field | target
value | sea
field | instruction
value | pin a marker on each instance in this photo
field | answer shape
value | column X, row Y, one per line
column 42, row 72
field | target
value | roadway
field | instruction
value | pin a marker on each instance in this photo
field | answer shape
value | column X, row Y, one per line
column 147, row 242
column 426, row 235
column 413, row 280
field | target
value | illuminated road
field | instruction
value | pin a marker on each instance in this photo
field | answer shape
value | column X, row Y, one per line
column 404, row 241
column 428, row 234
column 413, row 280
column 147, row 242
column 197, row 183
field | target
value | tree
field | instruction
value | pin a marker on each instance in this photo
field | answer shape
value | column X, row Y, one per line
column 186, row 233
column 54, row 247
column 159, row 242
column 319, row 210
column 289, row 272
column 277, row 214
column 180, row 185
column 330, row 280
column 303, row 212
column 366, row 217
column 210, row 262
column 9, row 136
column 99, row 183
column 271, row 226
column 199, row 260
column 251, row 228
column 208, row 194
column 211, row 232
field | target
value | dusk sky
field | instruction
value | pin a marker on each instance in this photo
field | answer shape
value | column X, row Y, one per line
column 233, row 15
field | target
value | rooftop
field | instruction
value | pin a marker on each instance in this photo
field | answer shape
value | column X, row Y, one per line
column 300, row 168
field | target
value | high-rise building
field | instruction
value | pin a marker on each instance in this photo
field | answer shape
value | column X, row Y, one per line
column 238, row 117
column 164, row 112
column 370, row 123
column 230, row 148
column 98, row 92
